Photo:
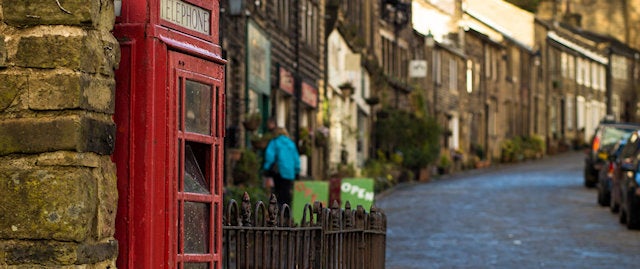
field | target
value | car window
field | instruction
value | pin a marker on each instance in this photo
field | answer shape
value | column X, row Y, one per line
column 612, row 135
column 631, row 147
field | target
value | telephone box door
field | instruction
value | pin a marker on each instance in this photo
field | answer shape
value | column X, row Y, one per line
column 194, row 198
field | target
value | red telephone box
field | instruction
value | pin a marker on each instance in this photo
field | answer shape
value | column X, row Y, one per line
column 169, row 148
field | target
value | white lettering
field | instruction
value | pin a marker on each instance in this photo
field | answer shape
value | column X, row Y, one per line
column 359, row 192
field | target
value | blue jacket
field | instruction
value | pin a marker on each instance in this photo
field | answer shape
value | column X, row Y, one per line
column 282, row 151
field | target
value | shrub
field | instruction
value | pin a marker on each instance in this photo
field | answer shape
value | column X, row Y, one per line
column 414, row 137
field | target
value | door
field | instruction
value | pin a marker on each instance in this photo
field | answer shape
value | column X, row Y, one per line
column 195, row 154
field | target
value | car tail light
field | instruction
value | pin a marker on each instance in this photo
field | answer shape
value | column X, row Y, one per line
column 610, row 170
column 596, row 144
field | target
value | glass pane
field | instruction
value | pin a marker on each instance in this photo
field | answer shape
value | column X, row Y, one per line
column 198, row 107
column 194, row 180
column 196, row 227
column 200, row 265
column 180, row 104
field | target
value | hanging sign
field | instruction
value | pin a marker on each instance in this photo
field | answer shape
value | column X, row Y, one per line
column 286, row 81
column 309, row 95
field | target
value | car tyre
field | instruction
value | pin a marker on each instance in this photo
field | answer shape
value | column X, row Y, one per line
column 623, row 216
column 589, row 179
column 631, row 212
column 604, row 197
column 613, row 206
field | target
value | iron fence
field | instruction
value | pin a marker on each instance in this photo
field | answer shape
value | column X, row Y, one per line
column 325, row 238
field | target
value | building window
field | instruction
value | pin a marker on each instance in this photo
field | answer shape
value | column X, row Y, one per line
column 595, row 76
column 580, row 71
column 437, row 70
column 619, row 66
column 603, row 79
column 564, row 65
column 453, row 75
column 309, row 24
column 569, row 112
column 571, row 66
column 282, row 14
column 470, row 78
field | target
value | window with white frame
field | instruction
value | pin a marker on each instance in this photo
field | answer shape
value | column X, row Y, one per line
column 564, row 65
column 571, row 66
column 587, row 73
column 580, row 72
column 453, row 75
column 569, row 112
column 469, row 74
column 603, row 78
column 580, row 109
column 437, row 70
column 595, row 77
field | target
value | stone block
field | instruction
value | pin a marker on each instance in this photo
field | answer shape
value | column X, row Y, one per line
column 10, row 86
column 99, row 95
column 81, row 53
column 47, row 203
column 46, row 12
column 71, row 133
column 66, row 158
column 107, row 199
column 3, row 52
column 58, row 91
column 62, row 255
column 50, row 51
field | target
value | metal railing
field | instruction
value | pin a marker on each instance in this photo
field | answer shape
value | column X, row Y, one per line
column 324, row 239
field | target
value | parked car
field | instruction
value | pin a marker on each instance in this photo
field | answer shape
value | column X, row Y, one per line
column 608, row 187
column 628, row 183
column 606, row 136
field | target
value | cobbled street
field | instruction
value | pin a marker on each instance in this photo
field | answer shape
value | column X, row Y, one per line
column 535, row 214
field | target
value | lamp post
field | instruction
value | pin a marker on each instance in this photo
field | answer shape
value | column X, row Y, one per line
column 431, row 44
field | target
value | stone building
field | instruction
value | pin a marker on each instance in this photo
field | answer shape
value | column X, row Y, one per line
column 276, row 53
column 57, row 181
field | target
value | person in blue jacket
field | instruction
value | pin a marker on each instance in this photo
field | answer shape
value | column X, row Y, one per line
column 282, row 161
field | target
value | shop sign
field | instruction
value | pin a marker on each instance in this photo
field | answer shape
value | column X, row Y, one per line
column 286, row 81
column 357, row 191
column 186, row 15
column 308, row 192
column 259, row 60
column 309, row 95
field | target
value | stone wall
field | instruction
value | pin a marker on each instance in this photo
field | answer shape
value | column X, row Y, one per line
column 58, row 194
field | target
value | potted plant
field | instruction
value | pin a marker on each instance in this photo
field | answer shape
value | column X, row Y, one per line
column 347, row 88
column 252, row 121
column 304, row 143
column 259, row 141
column 321, row 136
column 444, row 164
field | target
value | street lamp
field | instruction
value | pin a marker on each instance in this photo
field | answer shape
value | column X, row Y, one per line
column 431, row 43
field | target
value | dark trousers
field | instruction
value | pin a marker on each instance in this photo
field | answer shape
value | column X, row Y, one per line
column 283, row 189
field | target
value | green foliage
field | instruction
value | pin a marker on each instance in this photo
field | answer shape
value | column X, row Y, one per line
column 383, row 171
column 246, row 171
column 519, row 148
column 444, row 161
column 415, row 138
column 256, row 193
